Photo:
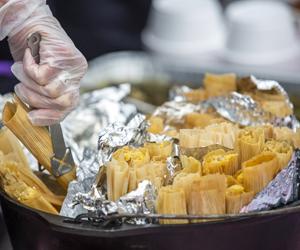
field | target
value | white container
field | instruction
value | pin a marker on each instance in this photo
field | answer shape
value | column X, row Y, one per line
column 184, row 27
column 260, row 32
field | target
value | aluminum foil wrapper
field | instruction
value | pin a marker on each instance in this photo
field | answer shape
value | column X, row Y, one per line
column 264, row 85
column 111, row 138
column 235, row 107
column 283, row 190
column 117, row 135
column 173, row 112
column 173, row 163
column 96, row 110
column 177, row 93
column 139, row 201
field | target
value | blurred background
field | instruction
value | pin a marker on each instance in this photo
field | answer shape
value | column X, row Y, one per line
column 176, row 41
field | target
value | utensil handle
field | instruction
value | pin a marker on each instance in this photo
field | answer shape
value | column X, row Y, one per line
column 33, row 43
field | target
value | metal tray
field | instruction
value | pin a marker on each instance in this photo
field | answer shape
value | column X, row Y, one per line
column 30, row 229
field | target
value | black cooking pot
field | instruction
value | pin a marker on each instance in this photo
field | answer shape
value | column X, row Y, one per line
column 30, row 229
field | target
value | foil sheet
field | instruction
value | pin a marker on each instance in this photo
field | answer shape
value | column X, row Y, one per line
column 96, row 110
column 235, row 107
column 265, row 85
column 173, row 112
column 118, row 135
column 173, row 163
column 177, row 93
column 139, row 201
column 282, row 190
column 111, row 138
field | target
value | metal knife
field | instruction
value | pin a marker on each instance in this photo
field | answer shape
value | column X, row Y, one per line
column 62, row 161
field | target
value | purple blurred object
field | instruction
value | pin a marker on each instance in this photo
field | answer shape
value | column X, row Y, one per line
column 5, row 68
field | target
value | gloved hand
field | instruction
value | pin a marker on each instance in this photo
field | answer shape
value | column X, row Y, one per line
column 51, row 87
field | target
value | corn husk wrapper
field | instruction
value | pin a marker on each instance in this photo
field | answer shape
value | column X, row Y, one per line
column 171, row 200
column 282, row 149
column 237, row 198
column 282, row 190
column 190, row 165
column 286, row 134
column 207, row 196
column 217, row 85
column 198, row 120
column 9, row 144
column 117, row 179
column 277, row 108
column 196, row 95
column 133, row 156
column 159, row 150
column 230, row 180
column 259, row 171
column 22, row 186
column 156, row 125
column 154, row 172
column 250, row 142
column 185, row 181
column 223, row 134
column 36, row 139
column 219, row 161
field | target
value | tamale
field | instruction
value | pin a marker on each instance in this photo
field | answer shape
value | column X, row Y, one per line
column 282, row 149
column 207, row 195
column 159, row 150
column 222, row 134
column 117, row 179
column 217, row 85
column 152, row 171
column 185, row 181
column 219, row 161
column 230, row 181
column 17, row 189
column 250, row 142
column 133, row 156
column 277, row 108
column 259, row 171
column 190, row 165
column 237, row 198
column 23, row 174
column 156, row 125
column 36, row 139
column 198, row 120
column 9, row 144
column 171, row 200
column 286, row 134
column 196, row 95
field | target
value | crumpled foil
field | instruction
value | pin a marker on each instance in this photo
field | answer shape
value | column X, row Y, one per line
column 93, row 198
column 173, row 112
column 173, row 163
column 177, row 93
column 235, row 107
column 139, row 201
column 117, row 135
column 282, row 190
column 96, row 110
column 264, row 85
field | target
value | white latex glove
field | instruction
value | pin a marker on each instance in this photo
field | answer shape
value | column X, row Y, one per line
column 51, row 87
